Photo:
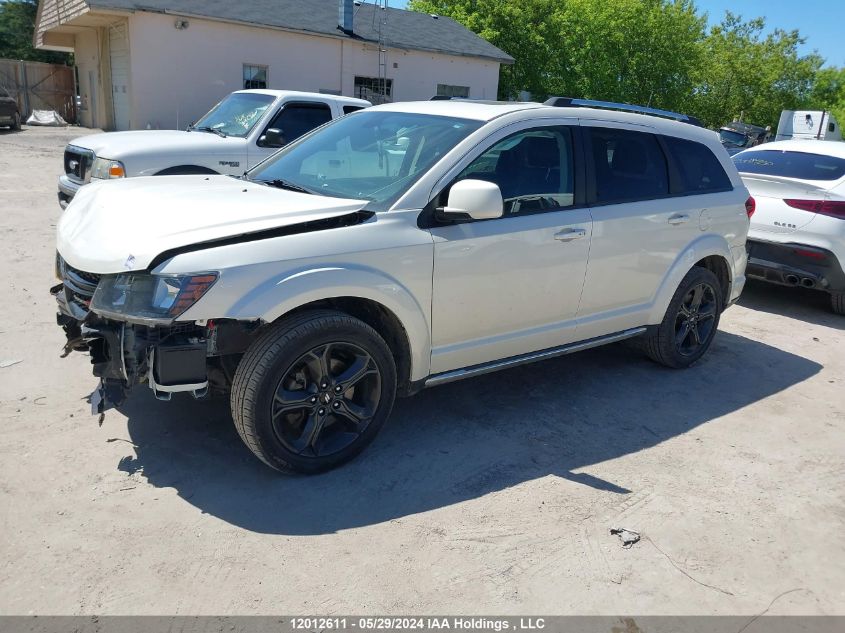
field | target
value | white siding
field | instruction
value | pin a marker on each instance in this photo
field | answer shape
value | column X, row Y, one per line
column 52, row 13
column 120, row 80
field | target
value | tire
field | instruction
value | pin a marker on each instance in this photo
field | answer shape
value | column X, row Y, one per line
column 837, row 302
column 688, row 328
column 293, row 416
column 16, row 125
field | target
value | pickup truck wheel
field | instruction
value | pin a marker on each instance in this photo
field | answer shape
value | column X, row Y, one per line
column 837, row 302
column 690, row 323
column 313, row 391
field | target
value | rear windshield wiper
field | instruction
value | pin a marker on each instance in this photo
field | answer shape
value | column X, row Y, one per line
column 205, row 128
column 284, row 184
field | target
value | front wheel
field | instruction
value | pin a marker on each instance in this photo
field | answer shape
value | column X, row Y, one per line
column 16, row 123
column 313, row 391
column 690, row 323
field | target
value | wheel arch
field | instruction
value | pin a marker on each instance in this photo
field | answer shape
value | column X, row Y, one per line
column 711, row 252
column 398, row 313
column 382, row 320
column 185, row 170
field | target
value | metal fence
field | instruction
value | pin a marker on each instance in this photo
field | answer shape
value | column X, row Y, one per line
column 40, row 86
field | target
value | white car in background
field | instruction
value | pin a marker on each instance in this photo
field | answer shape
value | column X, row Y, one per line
column 797, row 234
column 243, row 129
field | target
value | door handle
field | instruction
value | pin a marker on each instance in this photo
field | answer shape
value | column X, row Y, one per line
column 678, row 218
column 567, row 235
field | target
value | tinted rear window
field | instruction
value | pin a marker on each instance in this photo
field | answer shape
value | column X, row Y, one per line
column 791, row 165
column 699, row 170
column 629, row 166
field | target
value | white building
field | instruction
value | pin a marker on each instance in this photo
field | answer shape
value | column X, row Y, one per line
column 164, row 63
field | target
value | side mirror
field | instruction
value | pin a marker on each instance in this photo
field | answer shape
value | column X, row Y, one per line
column 475, row 199
column 273, row 137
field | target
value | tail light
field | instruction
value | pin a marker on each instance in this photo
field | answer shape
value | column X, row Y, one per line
column 750, row 206
column 833, row 208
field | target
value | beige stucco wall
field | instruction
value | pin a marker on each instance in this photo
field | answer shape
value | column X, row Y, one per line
column 177, row 75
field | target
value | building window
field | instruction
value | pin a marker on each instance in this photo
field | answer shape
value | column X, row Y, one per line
column 445, row 90
column 255, row 76
column 373, row 89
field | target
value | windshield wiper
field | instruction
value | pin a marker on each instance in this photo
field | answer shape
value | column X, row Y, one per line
column 284, row 184
column 205, row 128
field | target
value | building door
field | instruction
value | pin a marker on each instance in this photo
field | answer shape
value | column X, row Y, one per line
column 119, row 61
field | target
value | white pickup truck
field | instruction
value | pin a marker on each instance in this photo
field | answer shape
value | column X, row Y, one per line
column 239, row 132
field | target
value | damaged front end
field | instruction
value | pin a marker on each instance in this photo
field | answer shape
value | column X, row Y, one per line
column 127, row 323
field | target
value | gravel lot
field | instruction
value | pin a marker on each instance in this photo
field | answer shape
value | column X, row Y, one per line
column 494, row 495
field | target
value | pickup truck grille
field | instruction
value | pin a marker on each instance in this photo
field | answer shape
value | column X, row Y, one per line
column 78, row 163
column 79, row 285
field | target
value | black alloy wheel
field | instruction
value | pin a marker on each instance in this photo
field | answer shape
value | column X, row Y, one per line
column 696, row 318
column 690, row 322
column 313, row 391
column 326, row 399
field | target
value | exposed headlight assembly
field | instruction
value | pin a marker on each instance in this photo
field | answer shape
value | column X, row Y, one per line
column 105, row 169
column 149, row 299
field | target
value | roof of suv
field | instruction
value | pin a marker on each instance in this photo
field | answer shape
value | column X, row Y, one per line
column 489, row 110
column 305, row 95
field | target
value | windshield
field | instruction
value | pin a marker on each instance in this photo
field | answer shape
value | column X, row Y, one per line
column 790, row 164
column 237, row 114
column 368, row 155
column 729, row 137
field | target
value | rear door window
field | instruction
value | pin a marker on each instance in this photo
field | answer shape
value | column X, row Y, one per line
column 297, row 119
column 802, row 165
column 628, row 165
column 699, row 171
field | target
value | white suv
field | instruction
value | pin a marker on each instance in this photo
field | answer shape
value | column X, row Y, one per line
column 401, row 247
column 243, row 129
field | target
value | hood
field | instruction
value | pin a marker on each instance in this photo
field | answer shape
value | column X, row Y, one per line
column 120, row 225
column 118, row 145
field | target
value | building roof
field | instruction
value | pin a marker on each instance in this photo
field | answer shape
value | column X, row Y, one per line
column 404, row 29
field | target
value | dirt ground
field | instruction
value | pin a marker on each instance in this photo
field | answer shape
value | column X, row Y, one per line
column 494, row 495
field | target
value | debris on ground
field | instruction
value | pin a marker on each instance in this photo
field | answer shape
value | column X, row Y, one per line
column 9, row 363
column 628, row 537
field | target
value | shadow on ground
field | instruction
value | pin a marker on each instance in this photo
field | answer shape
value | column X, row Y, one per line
column 811, row 306
column 459, row 441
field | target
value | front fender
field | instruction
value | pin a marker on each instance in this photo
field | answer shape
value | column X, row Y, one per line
column 704, row 246
column 287, row 291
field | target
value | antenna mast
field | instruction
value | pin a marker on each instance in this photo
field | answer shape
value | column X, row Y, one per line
column 381, row 17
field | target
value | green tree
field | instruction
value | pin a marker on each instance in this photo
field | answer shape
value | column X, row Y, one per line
column 521, row 28
column 17, row 25
column 828, row 92
column 744, row 73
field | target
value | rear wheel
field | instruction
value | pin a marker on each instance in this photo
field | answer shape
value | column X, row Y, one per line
column 837, row 302
column 313, row 391
column 16, row 123
column 690, row 323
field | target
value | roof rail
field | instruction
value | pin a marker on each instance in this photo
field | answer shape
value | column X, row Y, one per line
column 568, row 102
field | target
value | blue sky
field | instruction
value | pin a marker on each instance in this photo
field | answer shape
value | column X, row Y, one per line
column 821, row 22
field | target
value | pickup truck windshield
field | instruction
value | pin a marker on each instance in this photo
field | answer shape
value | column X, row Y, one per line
column 236, row 114
column 735, row 139
column 369, row 155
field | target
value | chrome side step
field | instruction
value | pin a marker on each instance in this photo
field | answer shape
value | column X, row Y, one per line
column 514, row 361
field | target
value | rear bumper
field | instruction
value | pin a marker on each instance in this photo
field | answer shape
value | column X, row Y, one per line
column 67, row 190
column 793, row 264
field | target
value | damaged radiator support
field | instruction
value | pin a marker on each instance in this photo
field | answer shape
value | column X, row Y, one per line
column 170, row 360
